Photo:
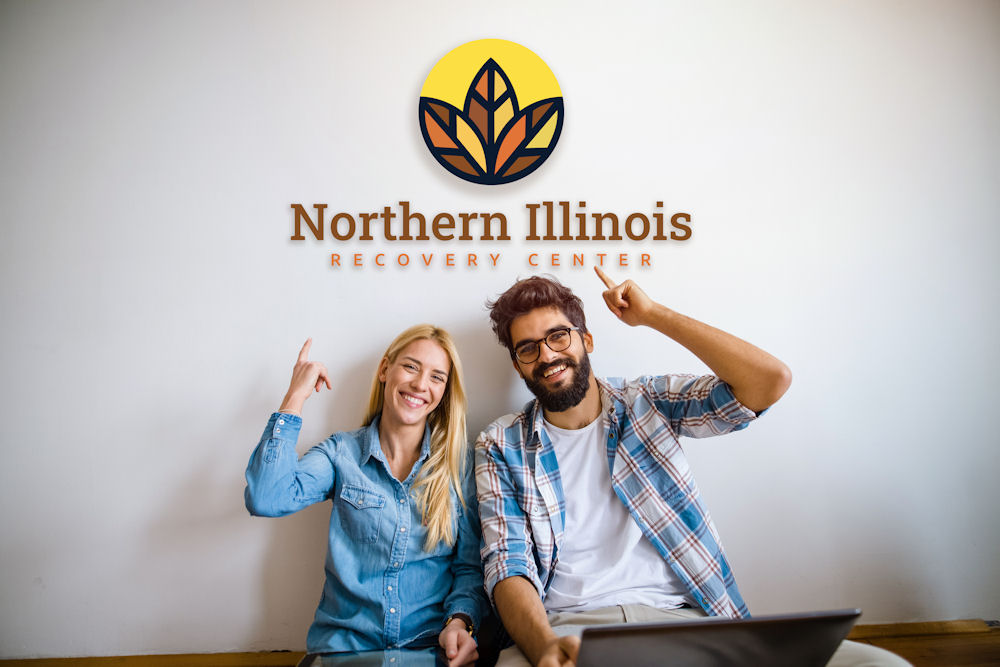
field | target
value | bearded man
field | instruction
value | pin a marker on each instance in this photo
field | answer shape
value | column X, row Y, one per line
column 589, row 510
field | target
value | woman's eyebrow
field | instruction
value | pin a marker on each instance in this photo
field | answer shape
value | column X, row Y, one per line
column 419, row 363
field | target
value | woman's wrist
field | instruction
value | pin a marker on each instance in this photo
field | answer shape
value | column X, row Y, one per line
column 292, row 404
column 464, row 619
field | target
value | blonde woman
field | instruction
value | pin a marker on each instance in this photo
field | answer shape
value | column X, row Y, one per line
column 403, row 567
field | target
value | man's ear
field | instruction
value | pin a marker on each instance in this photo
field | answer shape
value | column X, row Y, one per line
column 588, row 342
column 517, row 367
column 383, row 369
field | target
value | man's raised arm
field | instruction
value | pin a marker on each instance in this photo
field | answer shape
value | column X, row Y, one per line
column 757, row 378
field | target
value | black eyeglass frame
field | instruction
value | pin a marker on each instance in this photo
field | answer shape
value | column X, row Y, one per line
column 537, row 343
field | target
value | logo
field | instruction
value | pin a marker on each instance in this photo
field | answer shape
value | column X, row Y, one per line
column 491, row 111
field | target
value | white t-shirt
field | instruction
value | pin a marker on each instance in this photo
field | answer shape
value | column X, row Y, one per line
column 604, row 559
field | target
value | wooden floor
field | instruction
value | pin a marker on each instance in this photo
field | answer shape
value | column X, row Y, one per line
column 970, row 643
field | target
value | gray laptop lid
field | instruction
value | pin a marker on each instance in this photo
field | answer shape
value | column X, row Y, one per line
column 795, row 640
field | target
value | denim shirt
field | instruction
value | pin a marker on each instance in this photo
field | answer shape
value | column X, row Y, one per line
column 382, row 590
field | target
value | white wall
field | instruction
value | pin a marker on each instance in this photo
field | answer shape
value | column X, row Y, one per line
column 840, row 161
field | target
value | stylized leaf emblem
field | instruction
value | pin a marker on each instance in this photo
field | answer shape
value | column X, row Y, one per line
column 491, row 141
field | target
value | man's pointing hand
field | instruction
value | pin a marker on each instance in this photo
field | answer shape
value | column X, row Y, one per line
column 629, row 303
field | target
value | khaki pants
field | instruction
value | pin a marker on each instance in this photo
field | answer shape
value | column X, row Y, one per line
column 850, row 654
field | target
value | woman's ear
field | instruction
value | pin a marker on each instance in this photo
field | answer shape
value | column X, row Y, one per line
column 383, row 369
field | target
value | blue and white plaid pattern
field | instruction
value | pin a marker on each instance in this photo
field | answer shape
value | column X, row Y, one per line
column 521, row 502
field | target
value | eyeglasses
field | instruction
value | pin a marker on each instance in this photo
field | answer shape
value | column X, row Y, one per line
column 557, row 341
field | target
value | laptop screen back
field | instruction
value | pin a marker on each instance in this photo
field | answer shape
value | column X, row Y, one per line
column 795, row 640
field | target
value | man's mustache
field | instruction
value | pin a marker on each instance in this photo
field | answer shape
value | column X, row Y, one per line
column 539, row 373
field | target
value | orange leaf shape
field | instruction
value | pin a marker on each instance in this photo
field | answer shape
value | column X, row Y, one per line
column 491, row 141
column 529, row 138
column 452, row 139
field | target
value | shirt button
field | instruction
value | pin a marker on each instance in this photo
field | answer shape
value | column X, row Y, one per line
column 396, row 564
column 277, row 430
column 281, row 421
column 392, row 610
column 402, row 501
column 403, row 529
column 388, row 588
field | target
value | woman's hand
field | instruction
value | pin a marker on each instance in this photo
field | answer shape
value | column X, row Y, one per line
column 306, row 377
column 458, row 644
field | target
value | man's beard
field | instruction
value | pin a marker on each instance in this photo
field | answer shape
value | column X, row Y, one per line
column 567, row 397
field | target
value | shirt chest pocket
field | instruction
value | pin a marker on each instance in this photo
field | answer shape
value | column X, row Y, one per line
column 360, row 512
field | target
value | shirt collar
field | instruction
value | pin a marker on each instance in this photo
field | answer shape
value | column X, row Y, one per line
column 372, row 446
column 612, row 407
column 612, row 401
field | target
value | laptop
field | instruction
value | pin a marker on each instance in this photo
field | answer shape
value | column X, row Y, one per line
column 792, row 640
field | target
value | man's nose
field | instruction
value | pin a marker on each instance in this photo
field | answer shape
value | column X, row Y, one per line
column 545, row 353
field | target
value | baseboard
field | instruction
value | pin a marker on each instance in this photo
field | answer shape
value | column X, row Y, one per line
column 290, row 658
column 875, row 631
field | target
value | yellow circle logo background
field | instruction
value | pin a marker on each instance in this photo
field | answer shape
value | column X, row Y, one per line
column 491, row 111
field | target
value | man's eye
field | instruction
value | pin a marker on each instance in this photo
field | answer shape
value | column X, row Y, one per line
column 558, row 336
column 525, row 350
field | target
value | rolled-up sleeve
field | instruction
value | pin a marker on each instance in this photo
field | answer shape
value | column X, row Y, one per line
column 697, row 406
column 508, row 549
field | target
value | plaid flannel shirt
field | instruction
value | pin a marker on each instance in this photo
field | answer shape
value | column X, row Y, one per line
column 521, row 501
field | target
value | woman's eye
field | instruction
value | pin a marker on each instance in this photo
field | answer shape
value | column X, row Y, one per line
column 409, row 367
column 438, row 378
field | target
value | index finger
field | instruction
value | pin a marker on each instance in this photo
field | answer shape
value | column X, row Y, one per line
column 610, row 284
column 304, row 352
column 450, row 644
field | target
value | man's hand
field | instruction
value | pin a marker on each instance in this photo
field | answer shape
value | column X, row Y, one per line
column 458, row 644
column 560, row 653
column 756, row 378
column 306, row 377
column 629, row 303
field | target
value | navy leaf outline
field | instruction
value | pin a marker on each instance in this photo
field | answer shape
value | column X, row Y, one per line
column 490, row 149
column 473, row 94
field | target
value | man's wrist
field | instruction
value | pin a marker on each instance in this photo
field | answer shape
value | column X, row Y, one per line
column 661, row 319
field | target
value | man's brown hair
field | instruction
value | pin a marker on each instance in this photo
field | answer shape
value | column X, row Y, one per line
column 526, row 295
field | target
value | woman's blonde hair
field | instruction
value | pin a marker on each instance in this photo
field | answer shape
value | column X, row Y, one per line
column 445, row 467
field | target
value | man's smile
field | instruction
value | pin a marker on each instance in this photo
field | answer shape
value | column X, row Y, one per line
column 553, row 372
